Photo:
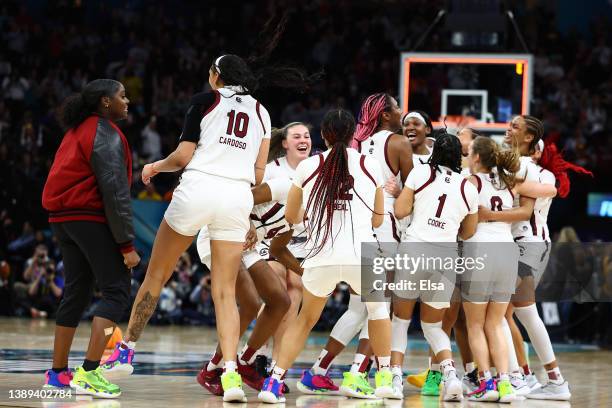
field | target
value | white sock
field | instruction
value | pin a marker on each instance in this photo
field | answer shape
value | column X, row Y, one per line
column 538, row 335
column 469, row 367
column 399, row 334
column 357, row 361
column 277, row 373
column 434, row 366
column 397, row 370
column 554, row 376
column 513, row 364
column 130, row 344
column 384, row 363
column 316, row 368
column 487, row 375
column 447, row 367
column 230, row 366
column 504, row 377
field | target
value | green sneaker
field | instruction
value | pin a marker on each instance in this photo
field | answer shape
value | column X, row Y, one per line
column 232, row 387
column 432, row 384
column 506, row 392
column 384, row 384
column 356, row 386
column 94, row 383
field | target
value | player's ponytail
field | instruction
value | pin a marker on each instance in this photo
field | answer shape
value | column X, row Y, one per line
column 446, row 152
column 369, row 116
column 256, row 72
column 333, row 181
column 78, row 107
column 506, row 162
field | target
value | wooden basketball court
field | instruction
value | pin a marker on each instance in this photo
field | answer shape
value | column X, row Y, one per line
column 168, row 358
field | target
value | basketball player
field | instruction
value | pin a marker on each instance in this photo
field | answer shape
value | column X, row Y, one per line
column 342, row 192
column 417, row 127
column 376, row 135
column 269, row 222
column 486, row 292
column 223, row 147
column 523, row 134
column 455, row 214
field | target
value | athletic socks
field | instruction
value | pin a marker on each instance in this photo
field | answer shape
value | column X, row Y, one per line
column 230, row 366
column 128, row 345
column 484, row 375
column 526, row 370
column 278, row 373
column 321, row 366
column 384, row 363
column 469, row 367
column 555, row 377
column 89, row 365
column 213, row 364
column 397, row 370
column 357, row 363
column 247, row 355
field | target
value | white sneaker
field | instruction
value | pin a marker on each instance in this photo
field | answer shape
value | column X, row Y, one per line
column 532, row 381
column 519, row 384
column 453, row 390
column 551, row 391
column 398, row 387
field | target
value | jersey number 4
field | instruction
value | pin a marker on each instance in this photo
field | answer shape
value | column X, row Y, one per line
column 238, row 123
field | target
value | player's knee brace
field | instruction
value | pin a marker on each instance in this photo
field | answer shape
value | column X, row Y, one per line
column 377, row 310
column 399, row 334
column 436, row 337
column 351, row 321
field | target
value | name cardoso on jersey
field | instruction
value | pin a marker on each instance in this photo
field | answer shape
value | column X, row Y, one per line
column 232, row 142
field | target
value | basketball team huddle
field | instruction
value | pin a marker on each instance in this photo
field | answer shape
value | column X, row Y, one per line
column 279, row 228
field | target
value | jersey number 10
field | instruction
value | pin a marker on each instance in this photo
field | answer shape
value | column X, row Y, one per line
column 238, row 123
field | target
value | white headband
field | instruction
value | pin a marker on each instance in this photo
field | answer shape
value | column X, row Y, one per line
column 541, row 145
column 217, row 64
column 414, row 115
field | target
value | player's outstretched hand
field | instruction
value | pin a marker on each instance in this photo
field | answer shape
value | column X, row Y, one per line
column 148, row 172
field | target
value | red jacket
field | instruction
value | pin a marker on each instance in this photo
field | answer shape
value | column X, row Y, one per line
column 90, row 179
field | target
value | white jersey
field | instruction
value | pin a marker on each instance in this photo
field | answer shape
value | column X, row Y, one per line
column 352, row 216
column 269, row 218
column 442, row 199
column 421, row 159
column 376, row 147
column 542, row 205
column 527, row 230
column 280, row 169
column 231, row 132
column 494, row 195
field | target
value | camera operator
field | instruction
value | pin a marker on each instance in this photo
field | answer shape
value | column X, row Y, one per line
column 42, row 290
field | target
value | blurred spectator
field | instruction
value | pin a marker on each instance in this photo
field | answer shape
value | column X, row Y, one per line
column 151, row 142
column 149, row 193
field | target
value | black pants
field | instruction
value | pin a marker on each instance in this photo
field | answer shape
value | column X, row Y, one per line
column 91, row 257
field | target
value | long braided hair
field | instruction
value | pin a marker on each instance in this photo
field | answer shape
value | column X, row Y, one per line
column 369, row 116
column 446, row 152
column 332, row 184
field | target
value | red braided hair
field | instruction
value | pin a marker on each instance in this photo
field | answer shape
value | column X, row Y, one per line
column 553, row 161
column 333, row 181
column 369, row 117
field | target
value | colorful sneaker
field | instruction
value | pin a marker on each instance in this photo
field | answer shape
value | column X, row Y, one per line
column 384, row 384
column 250, row 376
column 519, row 384
column 211, row 380
column 418, row 380
column 431, row 387
column 486, row 391
column 551, row 391
column 57, row 380
column 356, row 386
column 316, row 384
column 452, row 389
column 272, row 391
column 470, row 382
column 93, row 383
column 506, row 392
column 232, row 387
column 119, row 363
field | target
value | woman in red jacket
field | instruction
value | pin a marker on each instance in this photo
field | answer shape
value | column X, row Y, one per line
column 87, row 195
